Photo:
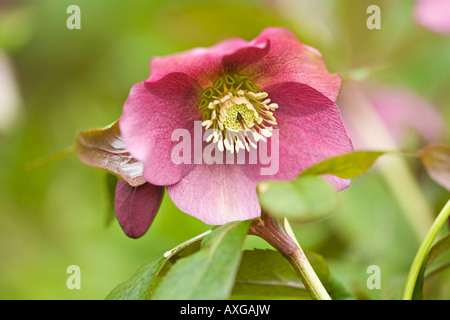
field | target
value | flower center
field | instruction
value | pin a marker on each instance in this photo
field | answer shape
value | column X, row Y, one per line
column 237, row 112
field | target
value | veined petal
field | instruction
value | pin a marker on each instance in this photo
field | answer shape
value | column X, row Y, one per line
column 243, row 57
column 310, row 130
column 204, row 65
column 152, row 112
column 201, row 64
column 290, row 60
column 216, row 194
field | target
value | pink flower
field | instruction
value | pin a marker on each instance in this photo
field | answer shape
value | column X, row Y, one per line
column 433, row 15
column 244, row 92
column 398, row 110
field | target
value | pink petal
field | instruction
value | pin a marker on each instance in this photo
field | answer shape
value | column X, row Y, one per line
column 136, row 207
column 398, row 110
column 151, row 113
column 290, row 60
column 338, row 183
column 402, row 109
column 204, row 65
column 250, row 54
column 310, row 130
column 216, row 194
column 433, row 15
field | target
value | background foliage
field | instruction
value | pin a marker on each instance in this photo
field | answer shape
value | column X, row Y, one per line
column 63, row 81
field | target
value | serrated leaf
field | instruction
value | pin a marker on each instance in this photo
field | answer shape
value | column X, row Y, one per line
column 105, row 149
column 302, row 200
column 346, row 166
column 439, row 248
column 320, row 268
column 336, row 290
column 266, row 274
column 436, row 159
column 210, row 272
column 140, row 286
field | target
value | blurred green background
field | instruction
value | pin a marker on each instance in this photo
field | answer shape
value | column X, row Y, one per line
column 57, row 81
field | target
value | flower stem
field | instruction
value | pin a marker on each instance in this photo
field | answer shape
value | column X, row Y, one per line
column 51, row 157
column 423, row 251
column 280, row 236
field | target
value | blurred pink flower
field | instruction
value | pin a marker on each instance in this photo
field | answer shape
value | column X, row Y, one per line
column 433, row 15
column 244, row 91
column 400, row 111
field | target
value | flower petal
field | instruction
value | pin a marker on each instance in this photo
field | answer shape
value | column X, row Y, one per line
column 433, row 15
column 151, row 114
column 310, row 130
column 204, row 65
column 290, row 60
column 390, row 114
column 250, row 54
column 136, row 207
column 216, row 194
column 402, row 109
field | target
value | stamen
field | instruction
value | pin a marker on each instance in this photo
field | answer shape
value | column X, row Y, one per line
column 238, row 113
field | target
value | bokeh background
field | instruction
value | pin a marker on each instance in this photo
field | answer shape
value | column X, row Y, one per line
column 55, row 82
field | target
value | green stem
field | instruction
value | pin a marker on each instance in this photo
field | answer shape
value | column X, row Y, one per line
column 280, row 236
column 51, row 157
column 423, row 251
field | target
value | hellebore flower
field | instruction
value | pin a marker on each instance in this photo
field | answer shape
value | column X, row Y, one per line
column 272, row 92
column 433, row 15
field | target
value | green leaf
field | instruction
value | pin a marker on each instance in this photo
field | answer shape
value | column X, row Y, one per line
column 338, row 291
column 345, row 166
column 440, row 247
column 210, row 272
column 266, row 274
column 302, row 200
column 320, row 268
column 105, row 149
column 141, row 285
column 436, row 159
column 335, row 289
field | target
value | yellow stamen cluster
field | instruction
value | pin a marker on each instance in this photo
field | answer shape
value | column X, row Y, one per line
column 238, row 113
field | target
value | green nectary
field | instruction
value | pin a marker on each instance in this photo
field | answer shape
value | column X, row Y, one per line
column 237, row 112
